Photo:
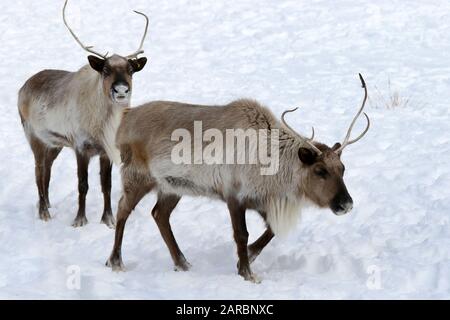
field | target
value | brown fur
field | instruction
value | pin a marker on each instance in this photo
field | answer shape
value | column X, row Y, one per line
column 24, row 111
column 74, row 109
column 80, row 110
column 144, row 140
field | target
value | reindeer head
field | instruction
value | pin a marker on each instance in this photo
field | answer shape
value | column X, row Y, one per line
column 322, row 178
column 116, row 71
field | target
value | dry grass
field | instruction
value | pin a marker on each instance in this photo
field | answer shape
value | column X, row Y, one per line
column 391, row 100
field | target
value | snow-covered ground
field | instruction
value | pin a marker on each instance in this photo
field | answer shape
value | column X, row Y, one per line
column 394, row 244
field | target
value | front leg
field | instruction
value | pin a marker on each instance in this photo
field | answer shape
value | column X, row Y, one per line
column 256, row 247
column 237, row 213
column 105, row 179
column 83, row 186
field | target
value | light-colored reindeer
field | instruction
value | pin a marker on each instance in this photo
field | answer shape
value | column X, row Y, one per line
column 81, row 110
column 309, row 171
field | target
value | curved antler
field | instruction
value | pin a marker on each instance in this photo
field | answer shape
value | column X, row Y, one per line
column 308, row 141
column 140, row 51
column 347, row 140
column 87, row 48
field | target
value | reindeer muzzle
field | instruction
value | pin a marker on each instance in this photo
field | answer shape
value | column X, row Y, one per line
column 342, row 204
column 120, row 92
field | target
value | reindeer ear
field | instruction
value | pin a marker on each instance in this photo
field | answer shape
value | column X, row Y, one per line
column 138, row 64
column 307, row 156
column 336, row 146
column 96, row 63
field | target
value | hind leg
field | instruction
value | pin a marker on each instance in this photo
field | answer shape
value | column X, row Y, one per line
column 135, row 187
column 161, row 213
column 39, row 151
column 83, row 186
column 105, row 178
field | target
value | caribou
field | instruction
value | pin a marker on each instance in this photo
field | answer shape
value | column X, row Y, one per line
column 309, row 172
column 80, row 110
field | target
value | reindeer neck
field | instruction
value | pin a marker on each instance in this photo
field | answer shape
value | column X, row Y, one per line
column 99, row 116
column 290, row 168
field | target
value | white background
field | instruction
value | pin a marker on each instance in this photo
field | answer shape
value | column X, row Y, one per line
column 394, row 244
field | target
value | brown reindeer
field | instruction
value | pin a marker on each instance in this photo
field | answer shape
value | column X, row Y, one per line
column 81, row 110
column 308, row 172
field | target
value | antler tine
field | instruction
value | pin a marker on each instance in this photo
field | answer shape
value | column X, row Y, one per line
column 140, row 51
column 312, row 136
column 86, row 48
column 308, row 141
column 347, row 140
column 284, row 120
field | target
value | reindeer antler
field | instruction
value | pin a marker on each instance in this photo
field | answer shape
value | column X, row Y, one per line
column 140, row 51
column 347, row 140
column 307, row 141
column 87, row 48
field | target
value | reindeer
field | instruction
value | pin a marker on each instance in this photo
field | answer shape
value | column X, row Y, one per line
column 309, row 171
column 81, row 110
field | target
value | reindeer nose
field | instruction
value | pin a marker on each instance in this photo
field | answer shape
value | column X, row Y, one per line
column 347, row 206
column 121, row 88
column 342, row 203
column 343, row 208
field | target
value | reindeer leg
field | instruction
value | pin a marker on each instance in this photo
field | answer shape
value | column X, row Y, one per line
column 134, row 189
column 237, row 213
column 83, row 186
column 50, row 157
column 39, row 150
column 105, row 178
column 256, row 247
column 161, row 213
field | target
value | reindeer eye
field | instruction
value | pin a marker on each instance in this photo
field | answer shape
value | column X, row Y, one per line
column 106, row 71
column 321, row 172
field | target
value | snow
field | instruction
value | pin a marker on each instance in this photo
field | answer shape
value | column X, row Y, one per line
column 394, row 244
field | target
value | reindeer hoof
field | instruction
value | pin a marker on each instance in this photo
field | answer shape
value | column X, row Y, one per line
column 249, row 276
column 79, row 222
column 252, row 278
column 44, row 215
column 115, row 264
column 183, row 266
column 109, row 220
